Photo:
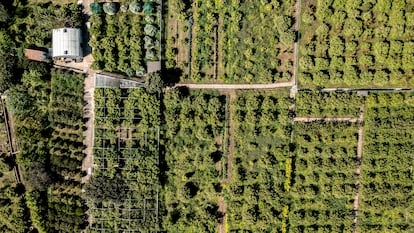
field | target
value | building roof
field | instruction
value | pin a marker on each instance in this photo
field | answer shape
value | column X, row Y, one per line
column 106, row 81
column 36, row 55
column 67, row 43
column 153, row 66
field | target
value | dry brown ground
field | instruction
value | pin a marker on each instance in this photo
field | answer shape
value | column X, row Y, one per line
column 358, row 171
column 88, row 134
column 221, row 203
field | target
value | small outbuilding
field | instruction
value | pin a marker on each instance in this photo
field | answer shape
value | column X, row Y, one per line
column 67, row 44
column 36, row 55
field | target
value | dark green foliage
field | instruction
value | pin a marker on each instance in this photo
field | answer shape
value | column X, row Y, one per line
column 194, row 131
column 4, row 16
column 14, row 216
column 35, row 28
column 257, row 195
column 37, row 177
column 7, row 61
column 102, row 188
column 48, row 118
column 387, row 190
column 96, row 8
column 148, row 8
column 154, row 83
column 126, row 160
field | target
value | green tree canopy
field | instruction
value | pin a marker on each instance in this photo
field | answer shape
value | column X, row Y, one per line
column 102, row 188
column 96, row 8
column 135, row 7
column 154, row 83
column 148, row 8
column 4, row 16
column 7, row 61
column 150, row 30
column 110, row 8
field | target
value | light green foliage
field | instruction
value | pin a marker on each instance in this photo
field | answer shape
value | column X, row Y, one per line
column 135, row 7
column 375, row 33
column 110, row 8
column 150, row 30
column 154, row 83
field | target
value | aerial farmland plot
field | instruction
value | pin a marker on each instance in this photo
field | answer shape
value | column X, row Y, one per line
column 356, row 43
column 387, row 187
column 227, row 45
column 205, row 116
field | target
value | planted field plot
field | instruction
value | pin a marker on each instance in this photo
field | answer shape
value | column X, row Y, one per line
column 357, row 43
column 65, row 206
column 328, row 104
column 123, row 192
column 323, row 187
column 257, row 196
column 257, row 40
column 12, row 207
column 125, row 42
column 387, row 180
column 193, row 151
column 226, row 43
column 178, row 34
column 48, row 112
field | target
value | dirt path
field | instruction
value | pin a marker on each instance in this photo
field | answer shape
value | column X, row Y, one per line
column 296, row 45
column 231, row 138
column 221, row 202
column 358, row 171
column 88, row 134
column 236, row 86
column 222, row 210
column 327, row 119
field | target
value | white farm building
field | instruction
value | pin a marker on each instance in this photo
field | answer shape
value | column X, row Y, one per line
column 67, row 44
